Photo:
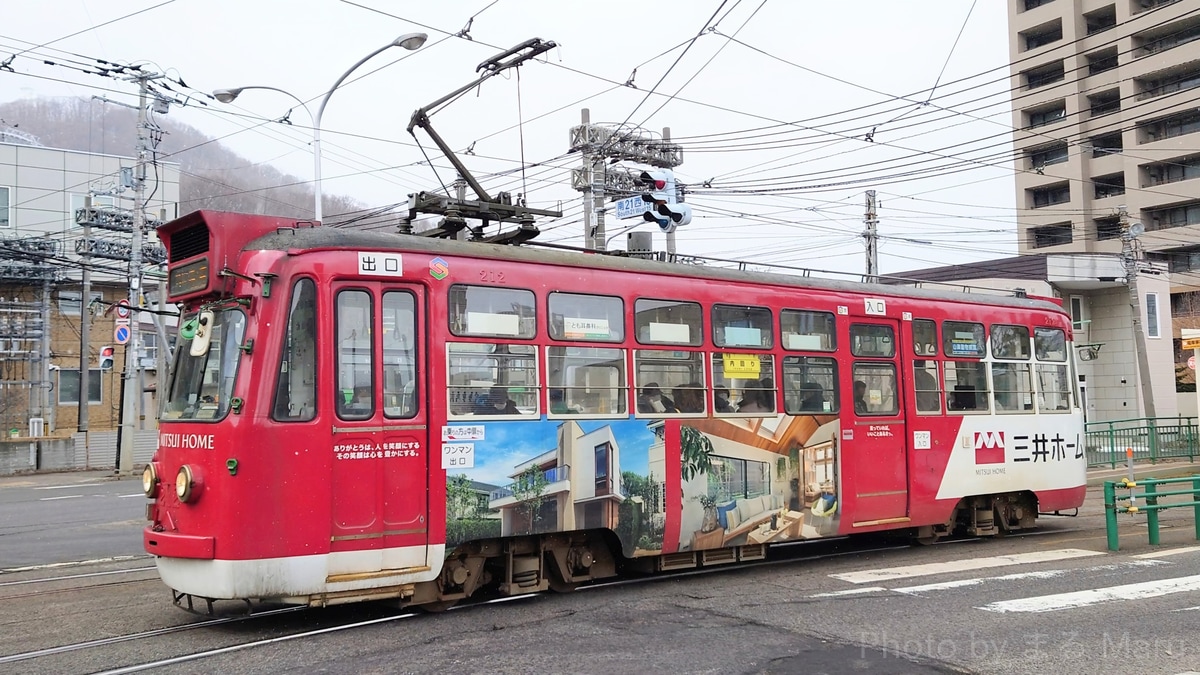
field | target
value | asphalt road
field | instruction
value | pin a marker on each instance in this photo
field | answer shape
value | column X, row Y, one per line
column 1056, row 601
column 54, row 518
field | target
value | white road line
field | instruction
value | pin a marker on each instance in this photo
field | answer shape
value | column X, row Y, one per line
column 51, row 499
column 1044, row 574
column 139, row 494
column 68, row 487
column 93, row 561
column 849, row 591
column 1186, row 609
column 1095, row 596
column 1167, row 552
column 964, row 565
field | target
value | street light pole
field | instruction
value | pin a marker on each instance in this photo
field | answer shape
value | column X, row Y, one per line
column 409, row 41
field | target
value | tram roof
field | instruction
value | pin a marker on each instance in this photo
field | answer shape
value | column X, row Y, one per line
column 330, row 238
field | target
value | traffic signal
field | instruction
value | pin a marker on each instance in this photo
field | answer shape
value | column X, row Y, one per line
column 106, row 358
column 658, row 188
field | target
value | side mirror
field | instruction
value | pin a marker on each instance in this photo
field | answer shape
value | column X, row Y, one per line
column 203, row 336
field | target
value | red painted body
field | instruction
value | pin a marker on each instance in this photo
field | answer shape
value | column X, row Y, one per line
column 292, row 499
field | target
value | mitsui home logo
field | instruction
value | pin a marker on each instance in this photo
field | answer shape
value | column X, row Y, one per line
column 989, row 447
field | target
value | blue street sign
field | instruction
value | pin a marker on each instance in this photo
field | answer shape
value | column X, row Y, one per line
column 121, row 335
column 631, row 207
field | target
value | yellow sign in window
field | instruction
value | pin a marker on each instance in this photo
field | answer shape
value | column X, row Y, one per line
column 741, row 366
column 1191, row 343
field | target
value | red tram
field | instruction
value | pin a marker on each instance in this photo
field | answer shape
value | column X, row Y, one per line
column 357, row 415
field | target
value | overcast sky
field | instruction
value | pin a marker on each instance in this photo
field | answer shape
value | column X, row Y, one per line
column 773, row 106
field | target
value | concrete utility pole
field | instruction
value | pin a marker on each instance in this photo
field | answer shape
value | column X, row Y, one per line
column 871, row 235
column 131, row 401
column 1130, row 232
column 670, row 235
column 587, row 187
column 85, row 325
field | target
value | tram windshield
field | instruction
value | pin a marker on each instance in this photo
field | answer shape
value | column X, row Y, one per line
column 202, row 386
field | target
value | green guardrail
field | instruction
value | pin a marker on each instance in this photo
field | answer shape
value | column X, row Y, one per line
column 1151, row 505
column 1143, row 438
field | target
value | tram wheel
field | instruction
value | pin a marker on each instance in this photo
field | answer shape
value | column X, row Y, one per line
column 438, row 607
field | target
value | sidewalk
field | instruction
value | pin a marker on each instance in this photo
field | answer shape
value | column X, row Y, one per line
column 1164, row 469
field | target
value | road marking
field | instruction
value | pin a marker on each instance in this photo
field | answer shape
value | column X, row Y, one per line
column 964, row 565
column 68, row 487
column 140, row 494
column 93, row 561
column 51, row 499
column 849, row 591
column 1043, row 574
column 1167, row 552
column 1186, row 609
column 1095, row 596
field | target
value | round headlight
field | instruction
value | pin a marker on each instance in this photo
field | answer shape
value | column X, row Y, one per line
column 184, row 482
column 149, row 480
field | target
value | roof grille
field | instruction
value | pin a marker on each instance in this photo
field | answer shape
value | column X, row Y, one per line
column 189, row 242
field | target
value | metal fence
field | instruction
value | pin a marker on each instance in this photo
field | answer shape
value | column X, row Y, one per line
column 1148, row 438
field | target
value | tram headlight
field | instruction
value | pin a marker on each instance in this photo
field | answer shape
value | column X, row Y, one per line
column 185, row 483
column 150, row 480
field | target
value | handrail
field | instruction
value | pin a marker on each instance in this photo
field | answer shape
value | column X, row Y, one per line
column 1151, row 507
column 1143, row 438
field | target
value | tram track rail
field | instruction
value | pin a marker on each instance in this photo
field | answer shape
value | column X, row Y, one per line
column 792, row 553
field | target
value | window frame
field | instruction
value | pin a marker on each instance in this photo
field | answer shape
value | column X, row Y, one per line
column 553, row 328
column 339, row 393
column 622, row 357
column 314, row 390
column 463, row 319
column 695, row 359
column 785, row 313
column 753, row 313
column 895, row 376
column 93, row 381
column 854, row 347
column 534, row 356
column 695, row 337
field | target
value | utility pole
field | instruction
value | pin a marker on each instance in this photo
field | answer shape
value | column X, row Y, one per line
column 871, row 235
column 587, row 186
column 131, row 401
column 85, row 324
column 1130, row 232
column 670, row 235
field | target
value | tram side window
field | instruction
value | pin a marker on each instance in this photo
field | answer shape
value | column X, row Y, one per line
column 872, row 340
column 586, row 380
column 924, row 337
column 966, row 386
column 491, row 379
column 399, row 337
column 668, row 322
column 669, row 382
column 809, row 331
column 741, row 326
column 488, row 311
column 1010, row 342
column 743, row 383
column 1012, row 387
column 963, row 339
column 925, row 386
column 296, row 389
column 594, row 318
column 1053, row 379
column 810, row 385
column 875, row 389
column 355, row 383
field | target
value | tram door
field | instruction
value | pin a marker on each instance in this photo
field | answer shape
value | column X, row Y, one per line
column 380, row 435
column 874, row 452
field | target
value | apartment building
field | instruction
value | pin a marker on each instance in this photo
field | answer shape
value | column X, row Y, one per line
column 1106, row 101
column 1106, row 112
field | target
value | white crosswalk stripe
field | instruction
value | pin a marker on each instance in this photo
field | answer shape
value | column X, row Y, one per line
column 877, row 576
column 1163, row 560
column 1094, row 596
column 1021, row 576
